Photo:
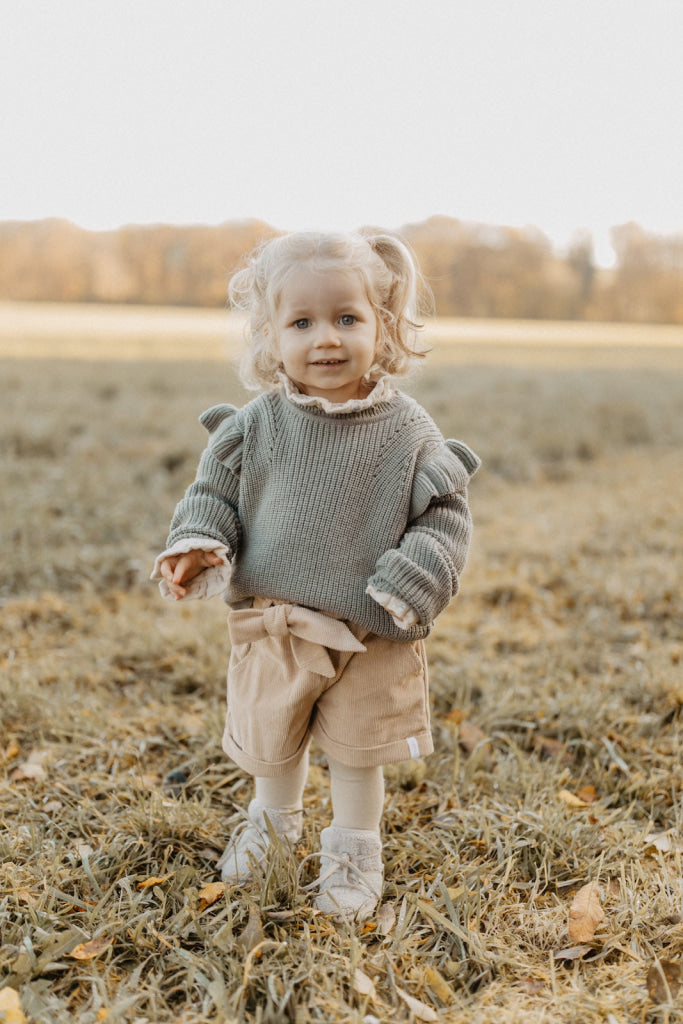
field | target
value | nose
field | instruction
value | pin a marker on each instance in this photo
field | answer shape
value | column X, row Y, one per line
column 326, row 336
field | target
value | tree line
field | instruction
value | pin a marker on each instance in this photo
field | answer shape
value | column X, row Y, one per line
column 473, row 270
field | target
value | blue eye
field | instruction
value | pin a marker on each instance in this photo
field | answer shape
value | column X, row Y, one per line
column 302, row 323
column 347, row 320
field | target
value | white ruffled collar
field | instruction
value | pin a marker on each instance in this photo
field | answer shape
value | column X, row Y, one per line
column 381, row 392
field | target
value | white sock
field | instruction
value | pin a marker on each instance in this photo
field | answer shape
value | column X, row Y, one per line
column 284, row 792
column 357, row 796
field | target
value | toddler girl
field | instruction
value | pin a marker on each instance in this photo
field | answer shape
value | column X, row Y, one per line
column 332, row 516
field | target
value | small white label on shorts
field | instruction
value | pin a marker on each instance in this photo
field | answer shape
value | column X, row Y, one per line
column 413, row 746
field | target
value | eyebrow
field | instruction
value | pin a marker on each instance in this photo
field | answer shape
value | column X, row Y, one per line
column 343, row 307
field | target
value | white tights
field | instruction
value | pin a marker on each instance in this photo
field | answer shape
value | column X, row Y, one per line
column 357, row 793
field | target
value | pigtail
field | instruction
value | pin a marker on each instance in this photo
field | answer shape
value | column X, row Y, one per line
column 404, row 298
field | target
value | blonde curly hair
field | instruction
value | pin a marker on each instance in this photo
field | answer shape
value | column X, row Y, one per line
column 389, row 273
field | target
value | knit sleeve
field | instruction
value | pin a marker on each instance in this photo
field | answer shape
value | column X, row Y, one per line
column 425, row 569
column 210, row 505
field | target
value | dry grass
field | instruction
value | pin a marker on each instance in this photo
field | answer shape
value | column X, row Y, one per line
column 558, row 669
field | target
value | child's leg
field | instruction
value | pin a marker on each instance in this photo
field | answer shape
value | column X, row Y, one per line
column 285, row 791
column 351, row 863
column 280, row 801
column 357, row 796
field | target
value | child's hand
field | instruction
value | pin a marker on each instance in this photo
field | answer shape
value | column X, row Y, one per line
column 402, row 614
column 180, row 569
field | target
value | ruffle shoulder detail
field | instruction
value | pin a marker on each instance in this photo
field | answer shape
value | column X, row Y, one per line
column 447, row 472
column 226, row 435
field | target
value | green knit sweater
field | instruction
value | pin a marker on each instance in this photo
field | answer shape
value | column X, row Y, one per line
column 315, row 506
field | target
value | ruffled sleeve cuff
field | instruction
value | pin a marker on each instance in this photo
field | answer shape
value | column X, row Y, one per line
column 209, row 583
column 403, row 615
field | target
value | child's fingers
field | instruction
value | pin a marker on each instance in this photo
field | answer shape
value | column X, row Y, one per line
column 186, row 568
column 167, row 569
column 192, row 563
column 179, row 569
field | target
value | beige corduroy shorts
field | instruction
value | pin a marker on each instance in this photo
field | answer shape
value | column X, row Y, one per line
column 288, row 683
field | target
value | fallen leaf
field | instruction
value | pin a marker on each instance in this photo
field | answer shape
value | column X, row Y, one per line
column 571, row 799
column 210, row 894
column 386, row 918
column 12, row 750
column 533, row 986
column 10, row 1007
column 155, row 880
column 102, row 1014
column 79, row 908
column 572, row 952
column 550, row 748
column 664, row 980
column 455, row 715
column 660, row 841
column 281, row 915
column 32, row 768
column 83, row 850
column 421, row 1010
column 471, row 736
column 439, row 986
column 148, row 782
column 89, row 950
column 585, row 913
column 26, row 771
column 588, row 794
column 252, row 934
column 364, row 985
column 211, row 855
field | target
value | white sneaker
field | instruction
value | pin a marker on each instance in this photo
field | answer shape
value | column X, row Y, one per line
column 250, row 841
column 351, row 873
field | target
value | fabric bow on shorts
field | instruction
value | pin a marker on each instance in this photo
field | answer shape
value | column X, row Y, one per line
column 297, row 674
column 311, row 633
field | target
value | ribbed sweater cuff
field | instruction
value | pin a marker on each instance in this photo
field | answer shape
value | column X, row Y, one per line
column 204, row 517
column 426, row 590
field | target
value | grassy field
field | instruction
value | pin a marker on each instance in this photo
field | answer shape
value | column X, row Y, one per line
column 557, row 697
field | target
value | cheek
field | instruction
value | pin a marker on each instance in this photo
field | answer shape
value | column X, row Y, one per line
column 277, row 342
column 286, row 351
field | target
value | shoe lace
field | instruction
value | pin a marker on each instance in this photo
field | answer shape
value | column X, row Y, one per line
column 343, row 866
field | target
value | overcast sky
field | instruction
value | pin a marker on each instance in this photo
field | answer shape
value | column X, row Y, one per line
column 564, row 114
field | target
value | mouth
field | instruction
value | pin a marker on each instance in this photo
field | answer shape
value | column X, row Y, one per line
column 328, row 362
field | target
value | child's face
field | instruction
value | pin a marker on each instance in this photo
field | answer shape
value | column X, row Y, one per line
column 326, row 331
